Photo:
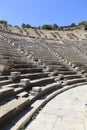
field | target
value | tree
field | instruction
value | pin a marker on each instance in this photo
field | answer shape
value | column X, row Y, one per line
column 61, row 28
column 83, row 23
column 3, row 22
column 50, row 27
column 26, row 25
column 86, row 27
column 23, row 25
column 73, row 25
column 47, row 26
column 55, row 26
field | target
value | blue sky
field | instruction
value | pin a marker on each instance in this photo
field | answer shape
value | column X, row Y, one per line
column 39, row 12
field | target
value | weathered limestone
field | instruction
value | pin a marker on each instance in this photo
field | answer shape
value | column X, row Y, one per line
column 35, row 75
column 54, row 73
column 5, row 82
column 42, row 81
column 28, row 65
column 4, row 69
column 67, row 72
column 27, row 70
column 34, row 93
column 77, row 68
column 18, row 90
column 6, row 92
column 73, row 81
column 59, row 77
column 37, row 89
column 15, row 76
column 8, row 110
column 66, row 111
column 30, row 71
column 5, row 61
column 22, row 94
column 51, row 87
column 36, row 105
column 66, row 77
column 25, row 83
column 47, row 69
column 3, row 77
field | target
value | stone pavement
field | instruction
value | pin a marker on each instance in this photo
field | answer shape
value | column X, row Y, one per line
column 67, row 111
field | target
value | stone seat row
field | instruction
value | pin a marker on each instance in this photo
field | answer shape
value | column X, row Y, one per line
column 15, row 106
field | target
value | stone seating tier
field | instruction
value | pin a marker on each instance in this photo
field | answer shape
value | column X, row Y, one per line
column 40, row 65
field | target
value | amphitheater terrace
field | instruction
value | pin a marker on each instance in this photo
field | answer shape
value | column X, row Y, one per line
column 43, row 79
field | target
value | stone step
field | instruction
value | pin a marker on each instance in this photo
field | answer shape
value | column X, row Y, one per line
column 74, row 81
column 18, row 90
column 42, row 81
column 66, row 77
column 13, row 85
column 23, row 65
column 59, row 69
column 59, row 66
column 27, row 70
column 18, row 61
column 6, row 92
column 14, row 89
column 11, row 109
column 20, row 120
column 51, row 86
column 35, row 75
column 5, row 82
column 3, row 78
column 6, row 55
column 50, row 62
column 67, row 72
column 22, row 94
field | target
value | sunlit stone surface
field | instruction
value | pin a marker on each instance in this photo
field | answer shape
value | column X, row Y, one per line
column 67, row 111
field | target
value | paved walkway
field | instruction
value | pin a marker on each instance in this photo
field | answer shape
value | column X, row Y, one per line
column 67, row 111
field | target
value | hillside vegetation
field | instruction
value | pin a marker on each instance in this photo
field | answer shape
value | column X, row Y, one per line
column 50, row 32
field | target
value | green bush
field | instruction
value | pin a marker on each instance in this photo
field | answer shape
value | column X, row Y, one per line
column 47, row 26
column 86, row 27
column 50, row 27
column 73, row 25
column 26, row 25
column 83, row 23
column 3, row 22
column 55, row 26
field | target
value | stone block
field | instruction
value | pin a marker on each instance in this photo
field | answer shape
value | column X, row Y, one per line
column 33, row 93
column 11, row 108
column 37, row 89
column 25, row 82
column 47, row 69
column 22, row 94
column 4, row 69
column 15, row 76
column 4, row 61
column 54, row 73
column 59, row 77
column 6, row 92
column 77, row 68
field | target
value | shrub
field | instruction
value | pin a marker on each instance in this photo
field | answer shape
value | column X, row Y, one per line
column 83, row 23
column 73, row 25
column 26, row 25
column 50, row 27
column 3, row 22
column 55, row 26
column 47, row 26
column 86, row 27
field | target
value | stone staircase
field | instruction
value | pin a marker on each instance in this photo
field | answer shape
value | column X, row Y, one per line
column 28, row 82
